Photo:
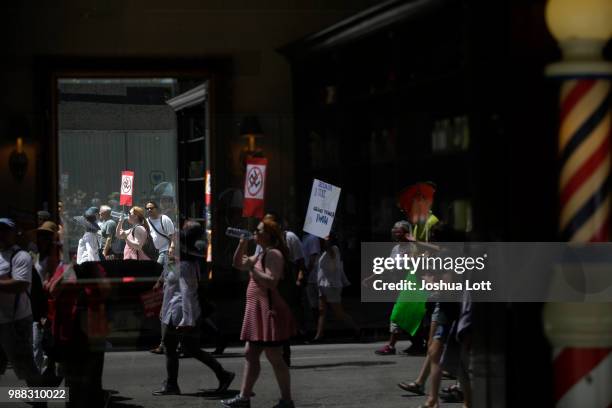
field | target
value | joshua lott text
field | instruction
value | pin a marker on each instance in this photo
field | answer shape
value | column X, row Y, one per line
column 433, row 286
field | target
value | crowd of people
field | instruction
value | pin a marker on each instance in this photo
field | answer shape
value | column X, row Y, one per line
column 54, row 320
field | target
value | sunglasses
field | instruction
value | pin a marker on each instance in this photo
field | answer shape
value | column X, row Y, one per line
column 150, row 208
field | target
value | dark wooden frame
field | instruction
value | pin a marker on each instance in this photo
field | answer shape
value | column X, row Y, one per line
column 50, row 70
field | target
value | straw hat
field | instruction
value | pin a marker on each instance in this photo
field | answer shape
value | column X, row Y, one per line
column 48, row 226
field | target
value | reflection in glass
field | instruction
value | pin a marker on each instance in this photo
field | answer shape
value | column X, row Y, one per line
column 106, row 126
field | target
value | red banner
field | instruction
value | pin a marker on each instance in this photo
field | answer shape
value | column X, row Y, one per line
column 127, row 187
column 254, row 187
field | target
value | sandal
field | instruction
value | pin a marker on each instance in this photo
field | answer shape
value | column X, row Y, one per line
column 413, row 387
column 448, row 376
column 453, row 395
column 450, row 388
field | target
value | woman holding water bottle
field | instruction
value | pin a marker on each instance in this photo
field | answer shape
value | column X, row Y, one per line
column 135, row 237
column 268, row 322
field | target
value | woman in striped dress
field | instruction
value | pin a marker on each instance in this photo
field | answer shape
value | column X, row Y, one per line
column 268, row 322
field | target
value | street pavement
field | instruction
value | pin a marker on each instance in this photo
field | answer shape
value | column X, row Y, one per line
column 323, row 375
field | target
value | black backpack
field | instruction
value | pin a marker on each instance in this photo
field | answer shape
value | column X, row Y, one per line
column 149, row 247
column 37, row 296
column 286, row 286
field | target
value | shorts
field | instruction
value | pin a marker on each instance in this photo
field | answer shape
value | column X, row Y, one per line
column 439, row 316
column 314, row 292
column 441, row 332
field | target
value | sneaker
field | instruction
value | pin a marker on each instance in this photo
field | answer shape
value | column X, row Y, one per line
column 220, row 348
column 284, row 404
column 225, row 382
column 386, row 351
column 236, row 402
column 415, row 350
column 167, row 389
column 218, row 351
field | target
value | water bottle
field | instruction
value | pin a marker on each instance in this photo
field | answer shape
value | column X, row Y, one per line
column 238, row 233
column 118, row 215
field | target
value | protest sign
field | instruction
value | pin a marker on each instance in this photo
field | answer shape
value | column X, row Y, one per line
column 321, row 208
column 127, row 187
column 254, row 187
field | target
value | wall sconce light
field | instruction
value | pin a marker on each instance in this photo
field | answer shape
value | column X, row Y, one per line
column 18, row 161
column 250, row 129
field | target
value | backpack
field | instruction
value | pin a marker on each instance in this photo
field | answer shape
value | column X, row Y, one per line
column 286, row 286
column 37, row 296
column 149, row 247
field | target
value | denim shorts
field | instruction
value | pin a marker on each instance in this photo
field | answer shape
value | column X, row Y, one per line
column 441, row 332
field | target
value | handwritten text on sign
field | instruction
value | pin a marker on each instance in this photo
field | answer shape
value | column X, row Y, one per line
column 321, row 208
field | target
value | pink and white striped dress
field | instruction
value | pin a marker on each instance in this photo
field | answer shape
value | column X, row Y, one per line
column 267, row 316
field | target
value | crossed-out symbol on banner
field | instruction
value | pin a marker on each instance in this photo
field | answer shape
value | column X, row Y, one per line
column 126, row 186
column 254, row 181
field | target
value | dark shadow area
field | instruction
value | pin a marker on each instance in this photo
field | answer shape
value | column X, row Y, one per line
column 224, row 355
column 411, row 395
column 345, row 364
column 117, row 401
column 211, row 394
column 228, row 355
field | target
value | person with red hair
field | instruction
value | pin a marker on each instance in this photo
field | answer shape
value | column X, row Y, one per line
column 268, row 322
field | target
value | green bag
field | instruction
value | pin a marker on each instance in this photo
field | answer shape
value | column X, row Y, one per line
column 409, row 308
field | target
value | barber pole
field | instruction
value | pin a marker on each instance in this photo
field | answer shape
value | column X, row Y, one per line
column 581, row 333
column 584, row 147
column 583, row 374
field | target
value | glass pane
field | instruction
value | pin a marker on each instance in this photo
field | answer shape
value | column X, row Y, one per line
column 106, row 126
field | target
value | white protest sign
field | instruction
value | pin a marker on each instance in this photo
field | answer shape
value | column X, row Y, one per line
column 321, row 208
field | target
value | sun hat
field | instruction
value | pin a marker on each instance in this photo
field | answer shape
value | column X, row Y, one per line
column 48, row 226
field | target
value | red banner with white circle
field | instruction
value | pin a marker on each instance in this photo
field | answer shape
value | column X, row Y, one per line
column 254, row 187
column 127, row 187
